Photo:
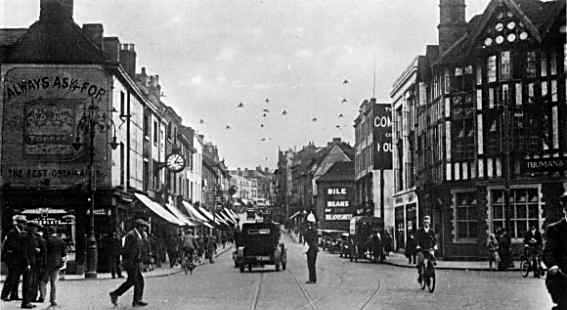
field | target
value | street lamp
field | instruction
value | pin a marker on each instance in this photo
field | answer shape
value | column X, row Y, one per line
column 91, row 121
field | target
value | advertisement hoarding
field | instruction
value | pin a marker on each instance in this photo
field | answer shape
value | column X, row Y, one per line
column 382, row 136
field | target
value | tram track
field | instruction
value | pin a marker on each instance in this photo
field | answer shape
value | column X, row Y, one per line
column 372, row 295
column 257, row 291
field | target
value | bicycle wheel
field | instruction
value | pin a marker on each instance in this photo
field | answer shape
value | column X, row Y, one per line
column 525, row 267
column 431, row 282
column 423, row 278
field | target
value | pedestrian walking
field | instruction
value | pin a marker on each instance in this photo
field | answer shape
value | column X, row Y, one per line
column 31, row 249
column 55, row 259
column 172, row 249
column 115, row 247
column 133, row 260
column 13, row 256
column 41, row 266
column 555, row 257
column 493, row 256
column 504, row 243
column 310, row 236
column 410, row 248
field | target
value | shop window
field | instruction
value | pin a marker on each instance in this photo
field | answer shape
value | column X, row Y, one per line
column 491, row 68
column 466, row 222
column 523, row 210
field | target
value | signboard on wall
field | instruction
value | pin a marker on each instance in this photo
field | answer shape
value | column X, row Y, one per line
column 382, row 136
column 338, row 203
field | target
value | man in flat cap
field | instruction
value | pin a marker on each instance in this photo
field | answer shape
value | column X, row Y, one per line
column 12, row 253
column 132, row 260
column 555, row 257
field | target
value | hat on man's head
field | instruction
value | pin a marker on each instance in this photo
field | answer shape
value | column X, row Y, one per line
column 564, row 195
column 19, row 218
column 141, row 222
column 427, row 218
column 311, row 218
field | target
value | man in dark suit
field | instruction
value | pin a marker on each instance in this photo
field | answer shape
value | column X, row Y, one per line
column 32, row 250
column 555, row 257
column 132, row 258
column 13, row 254
column 426, row 244
column 55, row 253
column 310, row 237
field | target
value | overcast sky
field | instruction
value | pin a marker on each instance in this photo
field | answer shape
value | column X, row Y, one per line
column 213, row 54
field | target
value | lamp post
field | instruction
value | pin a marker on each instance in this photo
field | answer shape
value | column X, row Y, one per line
column 92, row 120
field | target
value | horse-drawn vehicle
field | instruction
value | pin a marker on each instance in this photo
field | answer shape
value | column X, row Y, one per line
column 366, row 238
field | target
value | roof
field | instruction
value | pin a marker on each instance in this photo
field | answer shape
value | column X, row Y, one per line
column 339, row 171
column 51, row 42
column 538, row 16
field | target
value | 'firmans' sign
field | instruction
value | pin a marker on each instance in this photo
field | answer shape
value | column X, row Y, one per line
column 72, row 85
column 545, row 164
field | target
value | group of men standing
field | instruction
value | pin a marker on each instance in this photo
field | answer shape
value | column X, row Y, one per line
column 35, row 255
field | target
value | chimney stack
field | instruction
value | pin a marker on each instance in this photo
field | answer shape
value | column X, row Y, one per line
column 128, row 59
column 94, row 33
column 111, row 47
column 452, row 24
column 56, row 10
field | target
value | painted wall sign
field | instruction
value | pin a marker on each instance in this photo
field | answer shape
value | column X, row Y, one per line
column 338, row 203
column 64, row 83
column 545, row 164
column 42, row 107
column 382, row 136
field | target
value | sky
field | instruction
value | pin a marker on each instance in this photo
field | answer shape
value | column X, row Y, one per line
column 292, row 55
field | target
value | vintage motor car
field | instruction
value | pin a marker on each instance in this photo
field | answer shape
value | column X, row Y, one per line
column 260, row 245
column 330, row 240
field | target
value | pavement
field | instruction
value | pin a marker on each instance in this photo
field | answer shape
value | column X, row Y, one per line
column 400, row 260
column 156, row 272
column 341, row 284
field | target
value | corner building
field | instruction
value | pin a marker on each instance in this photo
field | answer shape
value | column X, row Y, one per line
column 492, row 135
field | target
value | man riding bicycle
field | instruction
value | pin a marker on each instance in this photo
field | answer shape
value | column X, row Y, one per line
column 187, row 246
column 426, row 244
column 532, row 242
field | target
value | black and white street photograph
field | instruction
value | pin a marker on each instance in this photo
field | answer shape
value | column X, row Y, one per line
column 283, row 154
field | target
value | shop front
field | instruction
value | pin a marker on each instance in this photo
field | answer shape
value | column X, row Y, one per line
column 406, row 217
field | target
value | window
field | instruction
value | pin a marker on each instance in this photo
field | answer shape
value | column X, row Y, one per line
column 122, row 164
column 491, row 68
column 505, row 93
column 155, row 132
column 553, row 63
column 466, row 223
column 479, row 99
column 554, row 91
column 518, row 93
column 543, row 62
column 523, row 210
column 447, row 80
column 480, row 168
column 531, row 67
column 122, row 103
column 544, row 88
column 505, row 71
column 491, row 98
column 480, row 142
column 146, row 125
column 555, row 127
column 478, row 74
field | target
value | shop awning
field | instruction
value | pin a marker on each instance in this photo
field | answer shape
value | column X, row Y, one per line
column 226, row 213
column 158, row 209
column 182, row 217
column 232, row 213
column 208, row 215
column 225, row 218
column 195, row 214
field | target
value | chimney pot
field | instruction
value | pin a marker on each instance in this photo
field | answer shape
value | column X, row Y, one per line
column 111, row 47
column 452, row 23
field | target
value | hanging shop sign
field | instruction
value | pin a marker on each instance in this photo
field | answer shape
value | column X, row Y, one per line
column 382, row 136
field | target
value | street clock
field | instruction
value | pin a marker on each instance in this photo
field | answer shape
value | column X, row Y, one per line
column 175, row 162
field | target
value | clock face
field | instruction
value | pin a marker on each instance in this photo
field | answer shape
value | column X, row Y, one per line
column 175, row 162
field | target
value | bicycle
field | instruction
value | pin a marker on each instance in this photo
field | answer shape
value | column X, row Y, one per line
column 427, row 271
column 187, row 262
column 531, row 262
